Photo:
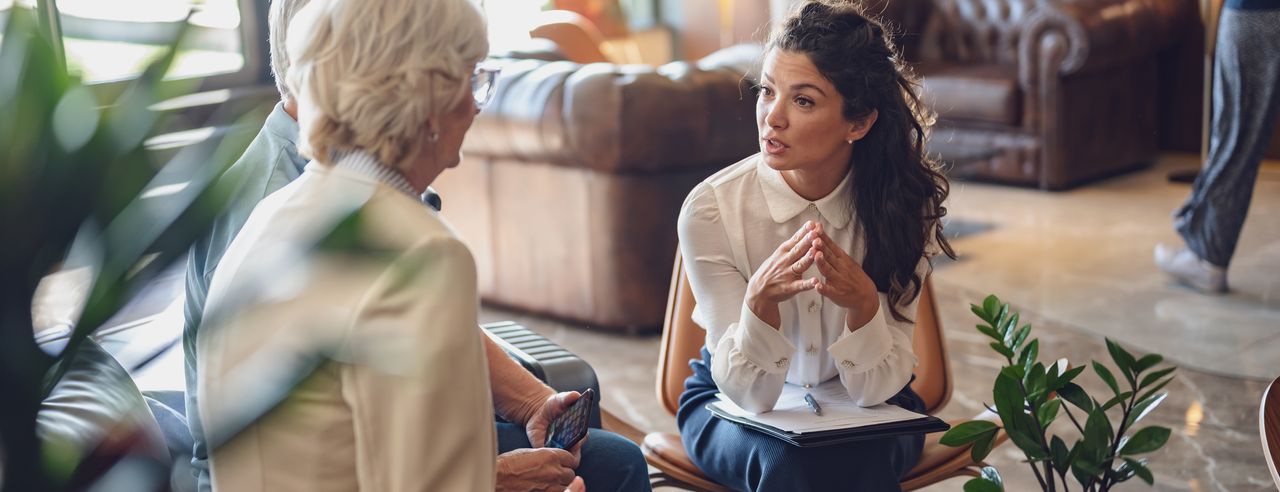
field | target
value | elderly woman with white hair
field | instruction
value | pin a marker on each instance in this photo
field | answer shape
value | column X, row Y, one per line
column 347, row 262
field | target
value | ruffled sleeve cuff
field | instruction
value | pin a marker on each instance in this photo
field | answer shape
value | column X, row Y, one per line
column 861, row 350
column 763, row 345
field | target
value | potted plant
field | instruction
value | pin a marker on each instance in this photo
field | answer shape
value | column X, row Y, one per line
column 73, row 172
column 1029, row 396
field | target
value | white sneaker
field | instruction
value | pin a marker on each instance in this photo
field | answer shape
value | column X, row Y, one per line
column 1190, row 270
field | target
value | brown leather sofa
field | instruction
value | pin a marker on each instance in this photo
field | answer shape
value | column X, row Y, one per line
column 1046, row 93
column 572, row 179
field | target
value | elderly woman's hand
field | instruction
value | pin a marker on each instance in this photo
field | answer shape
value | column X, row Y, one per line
column 540, row 469
column 781, row 276
column 540, row 422
column 844, row 282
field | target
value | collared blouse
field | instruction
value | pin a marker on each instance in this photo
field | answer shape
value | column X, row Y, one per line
column 729, row 225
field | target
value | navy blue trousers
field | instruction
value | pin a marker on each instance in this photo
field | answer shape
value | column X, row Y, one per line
column 610, row 462
column 743, row 459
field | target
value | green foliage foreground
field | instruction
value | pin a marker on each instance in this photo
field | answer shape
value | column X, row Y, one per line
column 1029, row 396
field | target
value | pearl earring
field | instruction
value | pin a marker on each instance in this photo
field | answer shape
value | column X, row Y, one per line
column 435, row 136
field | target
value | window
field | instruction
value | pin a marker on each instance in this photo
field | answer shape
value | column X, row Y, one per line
column 108, row 40
column 111, row 41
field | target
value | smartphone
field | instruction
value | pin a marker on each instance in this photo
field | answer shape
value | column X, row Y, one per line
column 571, row 426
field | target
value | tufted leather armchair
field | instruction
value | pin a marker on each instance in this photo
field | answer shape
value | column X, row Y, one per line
column 573, row 177
column 1047, row 93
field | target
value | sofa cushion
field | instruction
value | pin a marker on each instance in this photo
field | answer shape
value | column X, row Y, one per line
column 977, row 93
column 621, row 119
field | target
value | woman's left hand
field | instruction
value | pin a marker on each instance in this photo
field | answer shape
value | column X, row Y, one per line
column 845, row 283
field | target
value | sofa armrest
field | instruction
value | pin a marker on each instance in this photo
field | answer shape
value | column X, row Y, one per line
column 550, row 363
column 1078, row 35
column 620, row 118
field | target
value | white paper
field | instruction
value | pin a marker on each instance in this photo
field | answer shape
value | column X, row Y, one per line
column 792, row 414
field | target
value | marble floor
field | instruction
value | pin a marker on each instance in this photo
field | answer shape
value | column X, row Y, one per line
column 1078, row 266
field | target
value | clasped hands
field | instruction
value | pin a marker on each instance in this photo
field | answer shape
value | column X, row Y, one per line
column 781, row 277
column 539, row 468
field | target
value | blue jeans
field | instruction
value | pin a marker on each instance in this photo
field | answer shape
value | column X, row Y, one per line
column 609, row 461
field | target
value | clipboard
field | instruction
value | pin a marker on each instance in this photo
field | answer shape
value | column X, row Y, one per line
column 926, row 424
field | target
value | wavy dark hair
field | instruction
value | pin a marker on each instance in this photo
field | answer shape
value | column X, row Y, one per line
column 898, row 190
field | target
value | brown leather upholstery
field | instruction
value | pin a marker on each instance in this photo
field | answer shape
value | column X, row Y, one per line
column 1054, row 93
column 1269, row 420
column 1084, row 73
column 573, row 177
column 682, row 340
column 973, row 93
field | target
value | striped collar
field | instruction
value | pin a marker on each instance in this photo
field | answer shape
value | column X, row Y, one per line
column 360, row 162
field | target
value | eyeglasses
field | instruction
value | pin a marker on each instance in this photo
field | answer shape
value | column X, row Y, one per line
column 483, row 82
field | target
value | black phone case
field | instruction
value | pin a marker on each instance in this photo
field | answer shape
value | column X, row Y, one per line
column 571, row 426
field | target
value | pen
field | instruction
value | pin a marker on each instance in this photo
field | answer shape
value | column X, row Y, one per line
column 813, row 404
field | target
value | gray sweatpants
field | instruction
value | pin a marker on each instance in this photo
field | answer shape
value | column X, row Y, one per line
column 1246, row 72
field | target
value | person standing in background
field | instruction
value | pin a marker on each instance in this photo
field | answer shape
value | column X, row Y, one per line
column 1246, row 69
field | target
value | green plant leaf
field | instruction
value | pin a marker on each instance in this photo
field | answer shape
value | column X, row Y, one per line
column 1155, row 389
column 1085, row 470
column 1123, row 359
column 1008, row 326
column 1140, row 469
column 968, row 432
column 1155, row 376
column 1000, row 319
column 1048, row 412
column 1146, row 362
column 1061, row 456
column 1070, row 375
column 1024, row 441
column 1106, row 376
column 1008, row 397
column 989, row 331
column 992, row 475
column 1029, row 354
column 979, row 312
column 1121, row 473
column 1146, row 440
column 1118, row 399
column 1022, row 335
column 989, row 307
column 983, row 446
column 1097, row 430
column 1075, row 395
column 982, row 485
column 1036, row 381
column 1014, row 372
column 1003, row 350
column 1051, row 377
column 1144, row 407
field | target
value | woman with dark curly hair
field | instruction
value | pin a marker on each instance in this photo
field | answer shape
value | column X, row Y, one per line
column 807, row 259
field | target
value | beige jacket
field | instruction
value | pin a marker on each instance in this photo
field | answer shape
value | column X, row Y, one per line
column 404, row 402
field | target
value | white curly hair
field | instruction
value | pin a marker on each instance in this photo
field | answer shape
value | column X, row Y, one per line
column 368, row 74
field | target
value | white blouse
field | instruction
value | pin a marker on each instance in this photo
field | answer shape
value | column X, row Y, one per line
column 728, row 227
